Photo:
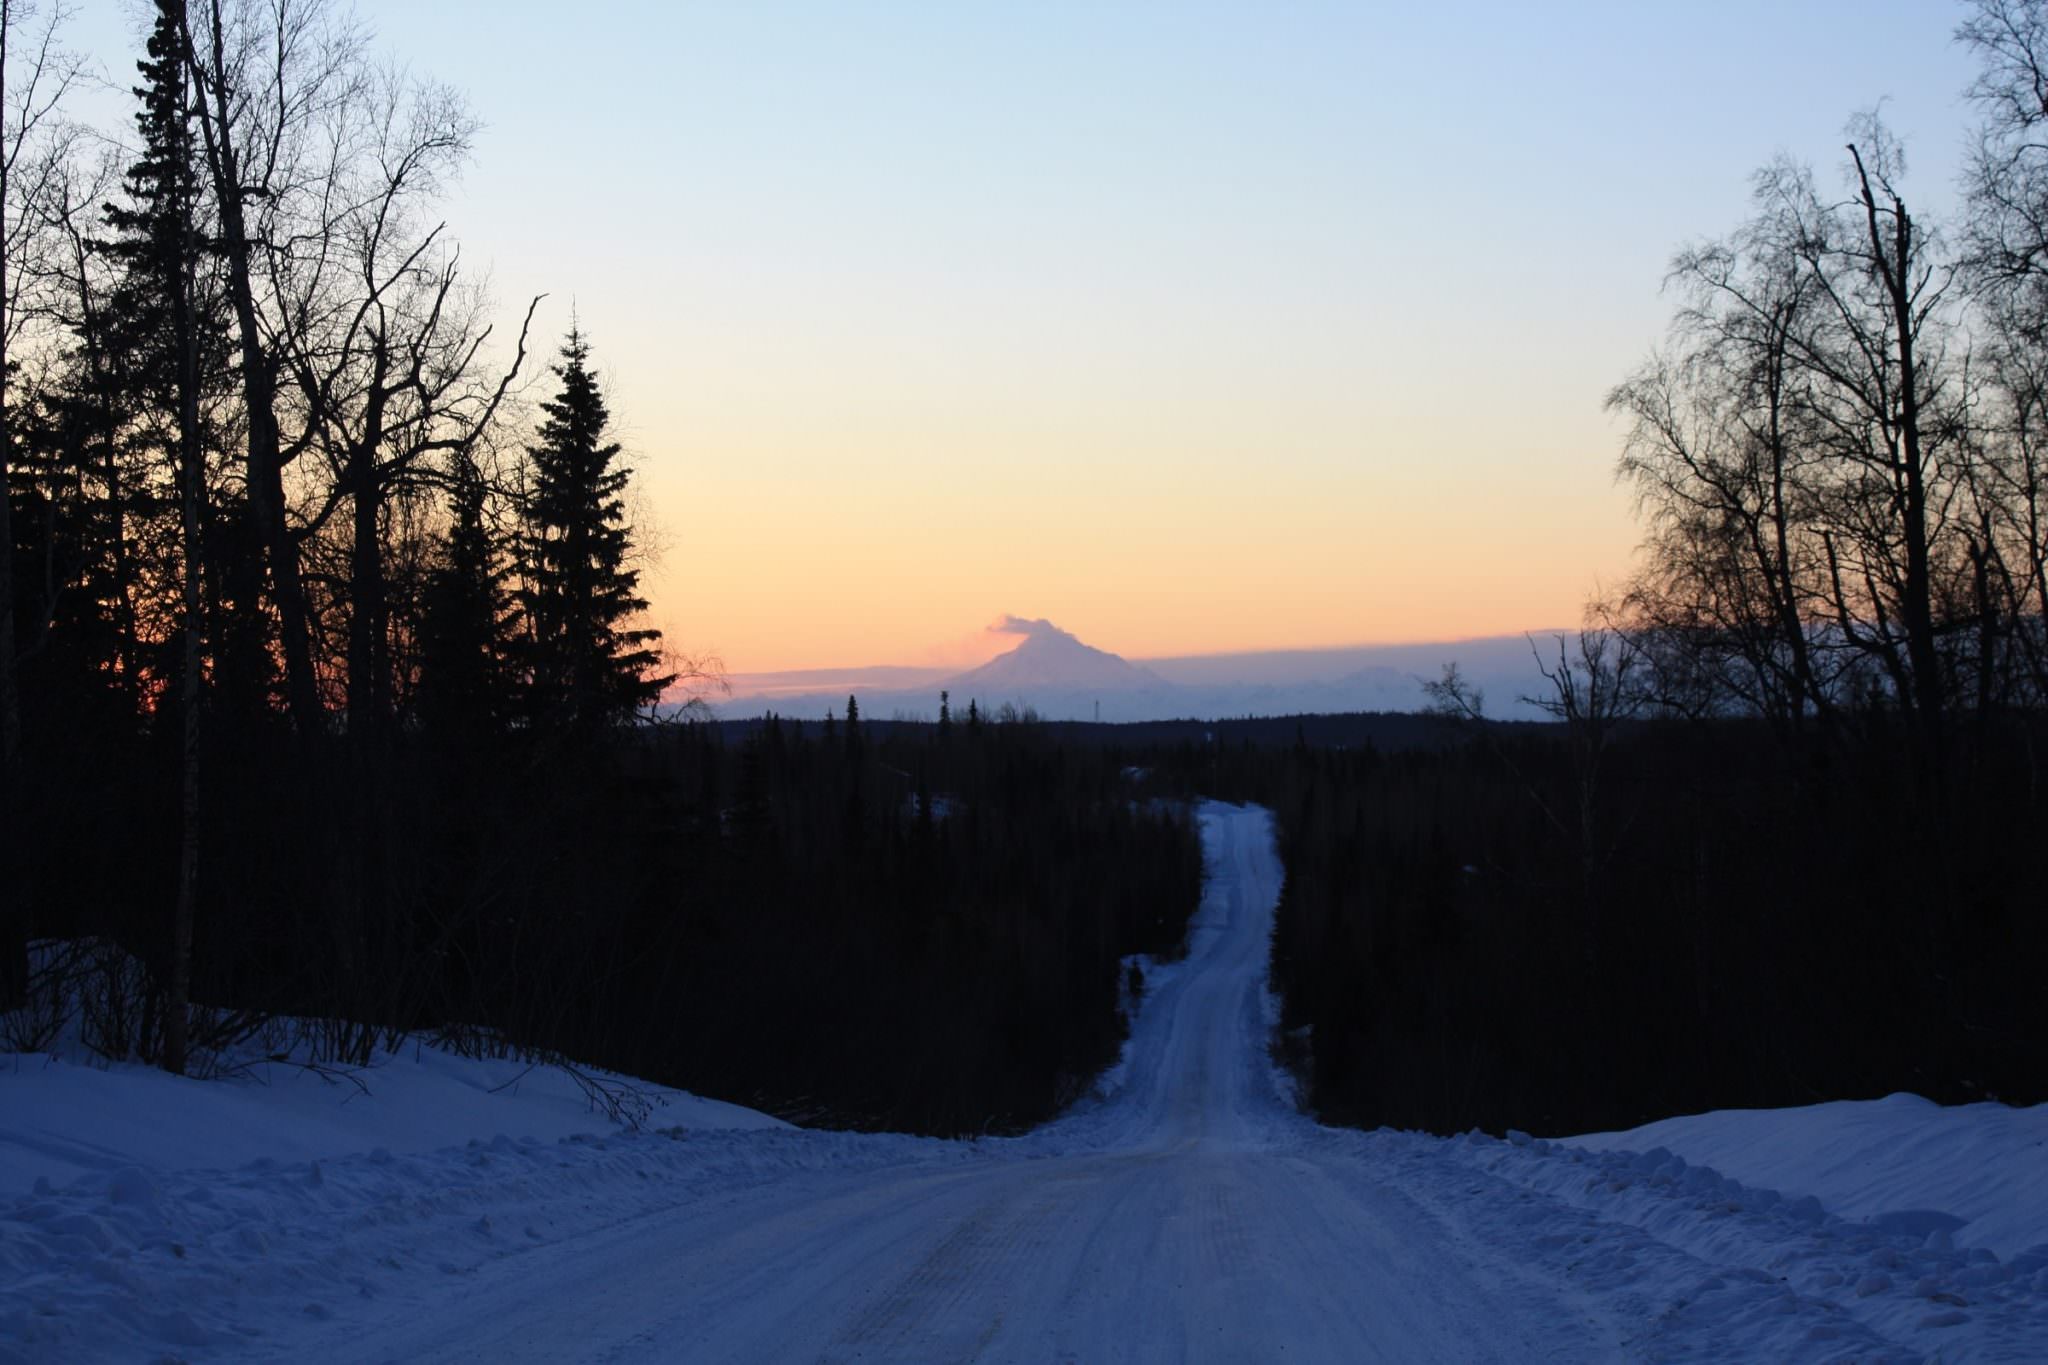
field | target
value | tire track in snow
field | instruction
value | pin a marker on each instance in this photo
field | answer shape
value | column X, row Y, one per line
column 951, row 1303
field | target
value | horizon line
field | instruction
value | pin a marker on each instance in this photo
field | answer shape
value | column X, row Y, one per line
column 952, row 670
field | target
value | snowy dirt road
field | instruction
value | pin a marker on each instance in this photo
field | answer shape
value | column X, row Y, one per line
column 1185, row 1213
column 1187, row 1218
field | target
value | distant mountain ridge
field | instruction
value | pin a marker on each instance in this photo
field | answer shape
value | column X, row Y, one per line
column 1061, row 677
column 1053, row 659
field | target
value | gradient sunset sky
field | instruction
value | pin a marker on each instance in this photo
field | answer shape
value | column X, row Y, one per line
column 1193, row 327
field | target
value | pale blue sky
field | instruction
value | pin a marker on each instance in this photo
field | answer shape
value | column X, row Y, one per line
column 1191, row 326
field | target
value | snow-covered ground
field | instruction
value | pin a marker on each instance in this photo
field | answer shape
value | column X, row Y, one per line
column 1185, row 1213
column 60, row 1120
column 1980, row 1171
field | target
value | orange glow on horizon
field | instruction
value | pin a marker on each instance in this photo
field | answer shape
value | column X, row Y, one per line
column 1148, row 537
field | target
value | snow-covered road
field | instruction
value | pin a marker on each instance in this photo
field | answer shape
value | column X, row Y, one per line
column 1187, row 1213
column 1187, row 1218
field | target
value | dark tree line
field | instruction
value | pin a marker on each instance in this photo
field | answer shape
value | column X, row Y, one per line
column 1783, row 842
column 324, row 697
column 1451, row 953
column 249, row 425
column 922, row 929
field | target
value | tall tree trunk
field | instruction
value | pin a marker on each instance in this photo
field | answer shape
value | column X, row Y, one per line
column 2037, row 556
column 1916, row 606
column 368, row 670
column 190, row 477
column 1784, row 582
column 10, row 702
column 259, row 383
column 14, row 928
column 192, row 486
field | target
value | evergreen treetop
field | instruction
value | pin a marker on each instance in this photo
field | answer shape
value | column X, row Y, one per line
column 586, row 665
column 155, row 241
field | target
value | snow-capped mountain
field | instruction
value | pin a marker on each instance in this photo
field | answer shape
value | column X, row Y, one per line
column 1052, row 660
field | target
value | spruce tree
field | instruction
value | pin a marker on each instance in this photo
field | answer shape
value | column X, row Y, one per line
column 156, row 335
column 585, row 666
column 153, row 362
column 463, row 627
column 155, row 240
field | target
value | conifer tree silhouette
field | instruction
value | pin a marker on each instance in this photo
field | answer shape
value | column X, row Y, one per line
column 586, row 666
column 161, row 330
column 158, row 244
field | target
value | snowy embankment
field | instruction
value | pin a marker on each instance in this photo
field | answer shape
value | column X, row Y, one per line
column 1978, row 1171
column 65, row 1117
column 447, row 1208
column 1733, row 1271
column 144, row 1213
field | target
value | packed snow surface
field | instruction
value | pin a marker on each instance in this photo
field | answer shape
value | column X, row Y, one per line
column 1980, row 1170
column 1186, row 1212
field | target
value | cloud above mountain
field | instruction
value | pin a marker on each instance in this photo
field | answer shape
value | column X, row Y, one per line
column 1041, row 628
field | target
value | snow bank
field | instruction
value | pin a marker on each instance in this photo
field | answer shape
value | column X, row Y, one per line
column 141, row 1263
column 143, row 1213
column 1978, row 1172
column 1716, row 1268
column 63, row 1119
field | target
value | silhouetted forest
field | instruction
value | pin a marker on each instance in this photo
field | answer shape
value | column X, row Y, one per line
column 1784, row 842
column 324, row 674
column 324, row 667
column 923, row 931
column 1732, row 925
